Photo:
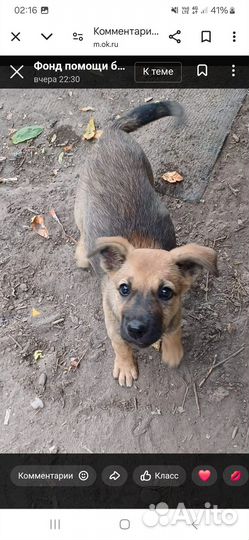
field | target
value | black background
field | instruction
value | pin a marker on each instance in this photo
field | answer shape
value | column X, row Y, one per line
column 219, row 72
column 129, row 495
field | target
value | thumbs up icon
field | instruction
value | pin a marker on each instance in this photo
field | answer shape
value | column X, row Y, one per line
column 145, row 477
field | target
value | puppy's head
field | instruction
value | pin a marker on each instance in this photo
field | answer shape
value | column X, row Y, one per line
column 145, row 286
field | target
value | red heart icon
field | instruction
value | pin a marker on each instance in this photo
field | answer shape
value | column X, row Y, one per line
column 204, row 475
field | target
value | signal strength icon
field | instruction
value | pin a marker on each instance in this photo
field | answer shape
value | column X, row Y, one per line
column 205, row 10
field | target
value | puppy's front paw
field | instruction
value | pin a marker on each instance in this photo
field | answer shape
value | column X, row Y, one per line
column 172, row 350
column 126, row 371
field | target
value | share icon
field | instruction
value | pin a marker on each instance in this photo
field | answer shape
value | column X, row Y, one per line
column 172, row 36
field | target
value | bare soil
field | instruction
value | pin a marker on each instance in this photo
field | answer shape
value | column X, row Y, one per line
column 84, row 409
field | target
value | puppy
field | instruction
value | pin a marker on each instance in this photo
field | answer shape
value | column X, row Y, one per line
column 127, row 234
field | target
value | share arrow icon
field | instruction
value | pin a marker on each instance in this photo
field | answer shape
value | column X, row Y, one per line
column 114, row 476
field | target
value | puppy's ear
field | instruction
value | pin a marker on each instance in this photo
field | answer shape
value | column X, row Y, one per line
column 191, row 258
column 113, row 252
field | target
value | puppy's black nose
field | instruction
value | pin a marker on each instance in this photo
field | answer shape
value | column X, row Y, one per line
column 136, row 328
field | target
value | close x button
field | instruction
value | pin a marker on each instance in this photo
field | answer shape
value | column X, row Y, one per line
column 159, row 475
column 163, row 72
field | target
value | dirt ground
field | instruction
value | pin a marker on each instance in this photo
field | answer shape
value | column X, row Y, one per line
column 84, row 409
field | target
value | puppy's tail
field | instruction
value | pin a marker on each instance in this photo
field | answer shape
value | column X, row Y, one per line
column 144, row 114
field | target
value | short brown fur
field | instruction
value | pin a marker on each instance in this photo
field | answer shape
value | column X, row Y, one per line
column 145, row 274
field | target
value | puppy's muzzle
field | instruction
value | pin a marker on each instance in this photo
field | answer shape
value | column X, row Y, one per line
column 136, row 329
column 141, row 331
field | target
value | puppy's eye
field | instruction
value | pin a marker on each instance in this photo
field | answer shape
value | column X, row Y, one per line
column 124, row 289
column 165, row 293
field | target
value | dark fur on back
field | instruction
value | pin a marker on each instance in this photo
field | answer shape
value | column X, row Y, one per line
column 115, row 195
column 144, row 114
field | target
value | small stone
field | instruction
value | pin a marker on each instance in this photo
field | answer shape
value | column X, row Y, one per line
column 53, row 449
column 42, row 379
column 219, row 394
column 23, row 287
column 157, row 411
column 181, row 409
column 231, row 328
column 236, row 138
column 37, row 404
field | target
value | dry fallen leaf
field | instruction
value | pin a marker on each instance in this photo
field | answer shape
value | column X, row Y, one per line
column 172, row 177
column 68, row 148
column 8, row 180
column 86, row 109
column 2, row 159
column 38, row 226
column 98, row 134
column 55, row 217
column 74, row 363
column 36, row 313
column 38, row 355
column 60, row 158
column 157, row 345
column 54, row 137
column 90, row 130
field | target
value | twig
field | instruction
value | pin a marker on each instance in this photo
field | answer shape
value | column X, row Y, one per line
column 21, row 162
column 31, row 210
column 208, row 373
column 87, row 449
column 7, row 417
column 8, row 180
column 16, row 342
column 197, row 399
column 235, row 431
column 230, row 356
column 233, row 190
column 184, row 397
column 219, row 240
column 206, row 288
column 55, row 217
column 58, row 321
column 214, row 365
column 247, row 439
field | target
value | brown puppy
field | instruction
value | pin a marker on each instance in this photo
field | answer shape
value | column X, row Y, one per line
column 127, row 232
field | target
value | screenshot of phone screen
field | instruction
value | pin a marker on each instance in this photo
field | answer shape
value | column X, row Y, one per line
column 124, row 270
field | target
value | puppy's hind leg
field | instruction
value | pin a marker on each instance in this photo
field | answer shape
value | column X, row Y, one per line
column 80, row 254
